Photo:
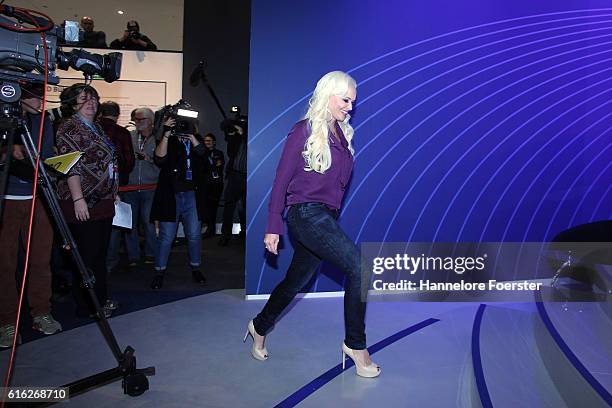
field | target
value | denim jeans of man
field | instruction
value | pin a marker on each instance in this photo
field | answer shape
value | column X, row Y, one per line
column 186, row 210
column 141, row 202
column 318, row 236
column 112, row 256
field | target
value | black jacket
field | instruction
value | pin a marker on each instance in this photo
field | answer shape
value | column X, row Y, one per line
column 211, row 169
column 173, row 167
column 130, row 45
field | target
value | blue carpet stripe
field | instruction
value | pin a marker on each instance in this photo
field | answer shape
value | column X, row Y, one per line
column 481, row 384
column 574, row 360
column 304, row 392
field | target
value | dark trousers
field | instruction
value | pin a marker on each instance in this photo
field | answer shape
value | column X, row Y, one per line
column 210, row 198
column 235, row 190
column 317, row 237
column 15, row 221
column 92, row 238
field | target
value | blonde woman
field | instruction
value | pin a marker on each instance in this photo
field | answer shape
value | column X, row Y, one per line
column 312, row 175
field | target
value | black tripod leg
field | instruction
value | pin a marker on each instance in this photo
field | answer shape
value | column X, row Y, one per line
column 10, row 136
column 125, row 360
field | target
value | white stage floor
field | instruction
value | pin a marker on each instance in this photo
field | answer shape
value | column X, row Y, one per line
column 196, row 347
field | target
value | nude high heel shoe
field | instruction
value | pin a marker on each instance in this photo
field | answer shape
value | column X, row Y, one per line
column 369, row 371
column 258, row 354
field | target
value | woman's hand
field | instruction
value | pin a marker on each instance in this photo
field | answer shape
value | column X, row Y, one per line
column 271, row 242
column 80, row 210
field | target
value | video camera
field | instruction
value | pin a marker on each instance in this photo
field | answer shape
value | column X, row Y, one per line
column 22, row 54
column 185, row 115
column 227, row 126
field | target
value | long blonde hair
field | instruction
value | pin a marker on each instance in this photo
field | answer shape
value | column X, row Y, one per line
column 317, row 154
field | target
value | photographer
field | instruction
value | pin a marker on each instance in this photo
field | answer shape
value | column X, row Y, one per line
column 214, row 162
column 14, row 229
column 132, row 39
column 235, row 189
column 140, row 189
column 180, row 159
column 91, row 38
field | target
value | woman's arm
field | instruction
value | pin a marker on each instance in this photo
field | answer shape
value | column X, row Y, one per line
column 162, row 147
column 198, row 147
column 291, row 161
column 81, row 211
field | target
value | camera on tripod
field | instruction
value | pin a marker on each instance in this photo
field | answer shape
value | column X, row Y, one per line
column 185, row 116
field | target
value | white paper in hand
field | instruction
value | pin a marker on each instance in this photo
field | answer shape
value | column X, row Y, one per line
column 123, row 215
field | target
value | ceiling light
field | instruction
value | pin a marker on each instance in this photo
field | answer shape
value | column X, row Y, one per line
column 119, row 11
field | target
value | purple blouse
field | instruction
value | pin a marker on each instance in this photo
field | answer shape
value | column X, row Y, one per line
column 294, row 185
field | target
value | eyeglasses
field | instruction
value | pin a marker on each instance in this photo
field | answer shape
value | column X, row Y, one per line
column 140, row 119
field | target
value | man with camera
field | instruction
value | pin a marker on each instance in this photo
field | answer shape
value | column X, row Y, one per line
column 235, row 188
column 179, row 154
column 132, row 39
column 14, row 229
column 141, row 187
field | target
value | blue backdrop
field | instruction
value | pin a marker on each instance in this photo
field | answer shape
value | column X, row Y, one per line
column 475, row 120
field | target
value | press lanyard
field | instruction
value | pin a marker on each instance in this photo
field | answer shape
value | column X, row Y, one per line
column 187, row 143
column 141, row 143
column 112, row 171
column 104, row 139
column 213, row 173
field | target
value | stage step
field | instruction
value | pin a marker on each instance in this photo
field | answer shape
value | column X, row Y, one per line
column 511, row 366
column 521, row 364
column 583, row 331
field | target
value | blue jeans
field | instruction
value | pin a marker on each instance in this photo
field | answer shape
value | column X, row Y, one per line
column 318, row 237
column 114, row 244
column 187, row 210
column 141, row 202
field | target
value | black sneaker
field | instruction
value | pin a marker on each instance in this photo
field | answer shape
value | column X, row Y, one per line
column 158, row 282
column 197, row 276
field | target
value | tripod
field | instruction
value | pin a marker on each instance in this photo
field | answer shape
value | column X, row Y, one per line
column 134, row 380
